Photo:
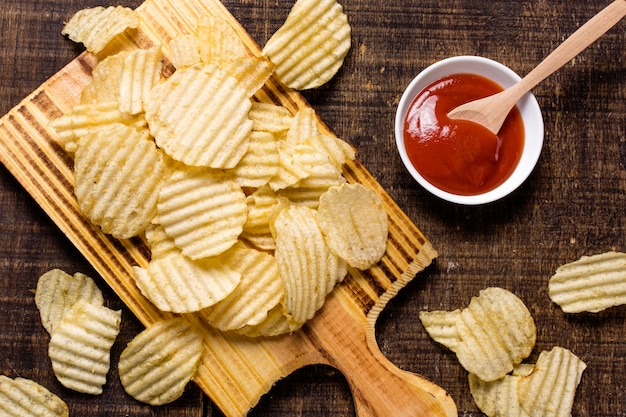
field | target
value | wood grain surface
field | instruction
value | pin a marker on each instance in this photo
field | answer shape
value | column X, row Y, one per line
column 572, row 205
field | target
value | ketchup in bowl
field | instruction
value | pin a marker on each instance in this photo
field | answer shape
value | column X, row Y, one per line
column 458, row 156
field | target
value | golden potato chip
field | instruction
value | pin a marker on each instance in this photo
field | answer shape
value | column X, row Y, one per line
column 337, row 150
column 140, row 71
column 204, row 212
column 550, row 389
column 499, row 398
column 441, row 326
column 119, row 172
column 263, row 205
column 260, row 163
column 277, row 323
column 80, row 346
column 21, row 397
column 354, row 222
column 304, row 125
column 310, row 47
column 495, row 333
column 96, row 27
column 178, row 284
column 292, row 167
column 308, row 268
column 252, row 72
column 84, row 117
column 161, row 245
column 591, row 283
column 58, row 291
column 184, row 51
column 105, row 83
column 219, row 42
column 158, row 363
column 259, row 291
column 269, row 117
column 199, row 116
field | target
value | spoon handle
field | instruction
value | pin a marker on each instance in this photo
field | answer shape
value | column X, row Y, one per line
column 572, row 46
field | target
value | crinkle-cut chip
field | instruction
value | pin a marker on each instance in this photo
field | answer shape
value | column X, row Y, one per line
column 84, row 117
column 261, row 241
column 277, row 323
column 260, row 163
column 80, row 346
column 310, row 46
column 262, row 204
column 199, row 116
column 204, row 212
column 259, row 291
column 140, row 71
column 21, row 397
column 497, row 398
column 338, row 151
column 219, row 42
column 57, row 291
column 157, row 364
column 119, row 172
column 550, row 389
column 441, row 326
column 105, row 83
column 355, row 225
column 96, row 27
column 161, row 245
column 304, row 125
column 591, row 283
column 184, row 51
column 497, row 333
column 252, row 72
column 308, row 268
column 178, row 284
column 323, row 175
column 297, row 162
column 269, row 117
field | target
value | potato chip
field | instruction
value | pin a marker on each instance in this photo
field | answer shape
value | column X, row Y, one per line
column 354, row 222
column 199, row 116
column 119, row 172
column 178, row 284
column 157, row 364
column 269, row 117
column 292, row 167
column 338, row 151
column 85, row 117
column 96, row 27
column 497, row 398
column 260, row 163
column 441, row 327
column 140, row 71
column 591, row 283
column 308, row 268
column 550, row 389
column 495, row 333
column 219, row 42
column 204, row 212
column 184, row 51
column 277, row 323
column 310, row 47
column 58, row 291
column 252, row 72
column 161, row 245
column 304, row 125
column 80, row 346
column 105, row 83
column 263, row 205
column 260, row 290
column 21, row 397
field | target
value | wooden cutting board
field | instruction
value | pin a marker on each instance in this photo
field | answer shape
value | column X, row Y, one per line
column 236, row 371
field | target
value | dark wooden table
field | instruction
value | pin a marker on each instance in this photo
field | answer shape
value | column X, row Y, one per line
column 572, row 205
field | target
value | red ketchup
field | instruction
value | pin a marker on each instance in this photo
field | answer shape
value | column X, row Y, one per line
column 459, row 156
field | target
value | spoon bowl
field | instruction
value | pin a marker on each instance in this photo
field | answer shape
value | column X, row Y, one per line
column 528, row 107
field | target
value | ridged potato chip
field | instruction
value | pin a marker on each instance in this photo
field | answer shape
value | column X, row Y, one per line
column 21, row 397
column 310, row 46
column 338, row 151
column 259, row 291
column 119, row 172
column 591, row 283
column 105, row 82
column 550, row 389
column 178, row 284
column 58, row 291
column 441, row 326
column 354, row 222
column 184, row 51
column 308, row 268
column 500, row 398
column 96, row 27
column 204, row 212
column 199, row 116
column 80, row 346
column 269, row 117
column 496, row 332
column 304, row 125
column 161, row 245
column 219, row 42
column 260, row 163
column 263, row 205
column 252, row 72
column 139, row 72
column 277, row 323
column 157, row 364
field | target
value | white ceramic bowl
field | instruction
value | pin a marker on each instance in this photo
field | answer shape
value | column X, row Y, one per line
column 528, row 106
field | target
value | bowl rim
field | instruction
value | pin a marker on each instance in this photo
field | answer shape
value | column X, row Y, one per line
column 528, row 106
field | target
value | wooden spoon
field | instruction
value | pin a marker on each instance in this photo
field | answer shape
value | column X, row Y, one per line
column 492, row 111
